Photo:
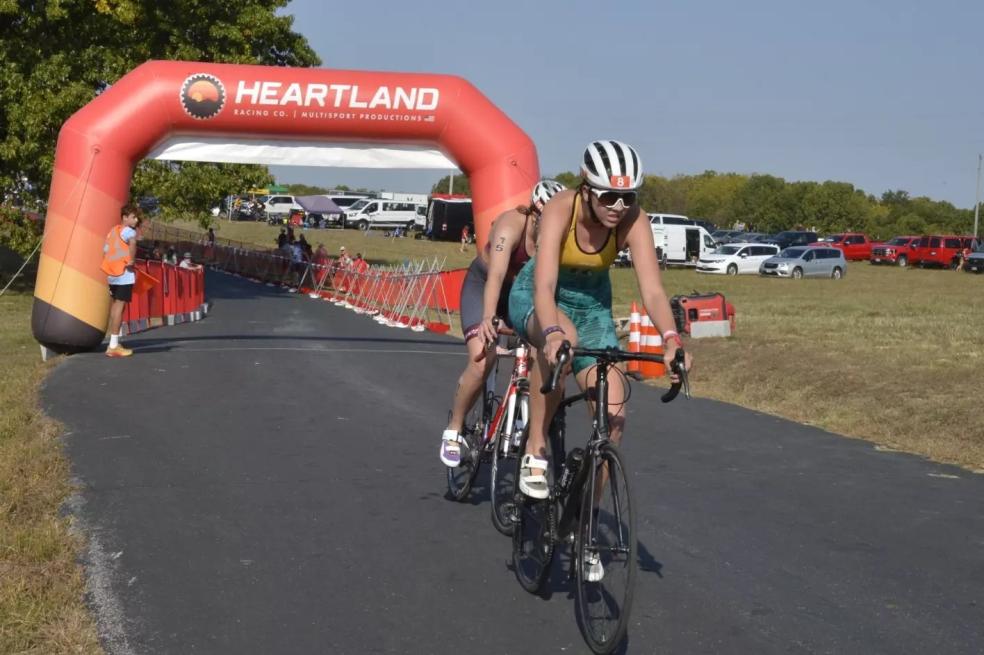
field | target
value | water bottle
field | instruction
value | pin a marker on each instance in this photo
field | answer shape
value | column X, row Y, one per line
column 571, row 467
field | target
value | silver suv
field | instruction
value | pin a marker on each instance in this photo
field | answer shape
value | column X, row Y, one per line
column 806, row 261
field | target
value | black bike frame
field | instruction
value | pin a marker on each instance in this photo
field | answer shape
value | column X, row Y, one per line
column 599, row 436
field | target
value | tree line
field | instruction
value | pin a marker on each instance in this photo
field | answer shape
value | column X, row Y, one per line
column 767, row 203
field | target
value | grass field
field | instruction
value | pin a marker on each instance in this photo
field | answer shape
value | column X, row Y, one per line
column 41, row 585
column 885, row 354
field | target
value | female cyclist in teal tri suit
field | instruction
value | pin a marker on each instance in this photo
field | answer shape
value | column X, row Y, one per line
column 565, row 292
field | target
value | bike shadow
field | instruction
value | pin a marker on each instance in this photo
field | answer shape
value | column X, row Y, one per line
column 480, row 490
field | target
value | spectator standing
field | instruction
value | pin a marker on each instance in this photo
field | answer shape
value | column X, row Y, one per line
column 344, row 261
column 305, row 247
column 171, row 257
column 282, row 239
column 119, row 253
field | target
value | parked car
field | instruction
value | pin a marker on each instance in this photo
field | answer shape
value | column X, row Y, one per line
column 897, row 250
column 941, row 250
column 855, row 245
column 790, row 238
column 737, row 258
column 806, row 261
column 280, row 207
column 975, row 262
column 727, row 236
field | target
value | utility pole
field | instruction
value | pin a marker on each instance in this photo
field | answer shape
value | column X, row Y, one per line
column 977, row 204
column 451, row 188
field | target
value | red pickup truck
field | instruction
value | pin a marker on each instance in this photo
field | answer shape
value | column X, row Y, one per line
column 855, row 246
column 894, row 251
column 941, row 250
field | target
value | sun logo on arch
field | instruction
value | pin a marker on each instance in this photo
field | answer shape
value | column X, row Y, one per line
column 202, row 96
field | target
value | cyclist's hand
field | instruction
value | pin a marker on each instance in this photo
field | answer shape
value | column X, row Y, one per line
column 670, row 351
column 552, row 347
column 488, row 330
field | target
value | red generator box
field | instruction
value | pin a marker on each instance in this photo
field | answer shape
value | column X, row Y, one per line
column 703, row 315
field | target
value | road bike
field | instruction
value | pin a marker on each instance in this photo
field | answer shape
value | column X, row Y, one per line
column 493, row 431
column 589, row 508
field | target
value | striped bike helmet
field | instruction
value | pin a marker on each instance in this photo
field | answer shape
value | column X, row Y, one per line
column 612, row 165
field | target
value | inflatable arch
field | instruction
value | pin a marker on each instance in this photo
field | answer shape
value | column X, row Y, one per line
column 260, row 114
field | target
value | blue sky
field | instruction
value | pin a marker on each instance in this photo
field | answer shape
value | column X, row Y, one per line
column 882, row 94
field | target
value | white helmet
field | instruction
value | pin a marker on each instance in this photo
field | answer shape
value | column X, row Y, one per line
column 545, row 190
column 612, row 165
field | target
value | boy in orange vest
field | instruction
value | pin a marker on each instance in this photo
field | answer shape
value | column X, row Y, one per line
column 119, row 253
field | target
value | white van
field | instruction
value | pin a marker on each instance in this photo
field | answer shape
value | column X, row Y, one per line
column 374, row 212
column 678, row 240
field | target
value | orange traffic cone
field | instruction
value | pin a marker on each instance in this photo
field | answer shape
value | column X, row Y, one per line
column 635, row 338
column 646, row 368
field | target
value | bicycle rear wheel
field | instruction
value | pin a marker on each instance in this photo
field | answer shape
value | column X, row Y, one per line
column 605, row 537
column 461, row 477
column 504, row 471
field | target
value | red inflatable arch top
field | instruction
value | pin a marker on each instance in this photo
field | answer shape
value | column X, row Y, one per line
column 163, row 103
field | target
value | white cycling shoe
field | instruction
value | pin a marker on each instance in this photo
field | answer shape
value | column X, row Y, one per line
column 451, row 449
column 532, row 484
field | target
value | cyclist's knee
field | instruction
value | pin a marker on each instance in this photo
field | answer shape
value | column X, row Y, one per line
column 616, row 425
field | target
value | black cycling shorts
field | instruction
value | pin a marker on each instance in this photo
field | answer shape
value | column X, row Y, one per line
column 473, row 303
column 122, row 292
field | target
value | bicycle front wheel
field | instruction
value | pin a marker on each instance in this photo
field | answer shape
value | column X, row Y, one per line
column 605, row 553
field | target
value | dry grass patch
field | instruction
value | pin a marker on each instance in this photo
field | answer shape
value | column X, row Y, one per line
column 42, row 610
column 886, row 354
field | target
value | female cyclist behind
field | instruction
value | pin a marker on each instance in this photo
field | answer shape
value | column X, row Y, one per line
column 484, row 296
column 565, row 293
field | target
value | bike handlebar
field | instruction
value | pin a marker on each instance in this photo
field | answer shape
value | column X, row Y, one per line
column 609, row 356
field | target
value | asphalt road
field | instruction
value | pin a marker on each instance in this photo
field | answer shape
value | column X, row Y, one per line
column 267, row 481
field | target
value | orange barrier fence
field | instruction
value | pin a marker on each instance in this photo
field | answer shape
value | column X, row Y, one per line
column 164, row 295
column 418, row 295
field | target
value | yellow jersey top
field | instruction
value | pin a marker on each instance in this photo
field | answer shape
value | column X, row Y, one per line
column 571, row 254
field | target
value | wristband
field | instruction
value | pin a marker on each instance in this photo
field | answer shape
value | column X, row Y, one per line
column 550, row 330
column 672, row 334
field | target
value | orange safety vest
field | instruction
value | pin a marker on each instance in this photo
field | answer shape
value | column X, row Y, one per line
column 116, row 254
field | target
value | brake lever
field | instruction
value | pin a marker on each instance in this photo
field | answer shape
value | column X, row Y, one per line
column 678, row 366
column 563, row 356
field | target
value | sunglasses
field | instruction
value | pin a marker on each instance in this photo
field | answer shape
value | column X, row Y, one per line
column 609, row 199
